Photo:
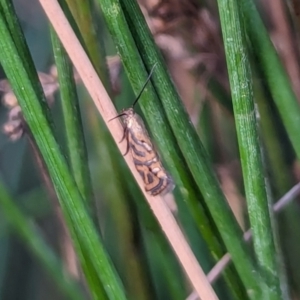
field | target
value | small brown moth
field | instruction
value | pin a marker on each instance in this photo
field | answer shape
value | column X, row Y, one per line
column 147, row 162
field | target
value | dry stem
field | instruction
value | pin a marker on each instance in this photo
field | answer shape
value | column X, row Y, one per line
column 107, row 111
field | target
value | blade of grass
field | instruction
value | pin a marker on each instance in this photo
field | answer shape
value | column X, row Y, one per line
column 105, row 107
column 18, row 38
column 275, row 75
column 188, row 141
column 276, row 153
column 77, row 152
column 95, row 262
column 162, row 133
column 277, row 81
column 35, row 243
column 121, row 232
column 156, row 246
column 253, row 172
column 185, row 180
column 165, row 141
column 84, row 16
column 165, row 264
column 281, row 179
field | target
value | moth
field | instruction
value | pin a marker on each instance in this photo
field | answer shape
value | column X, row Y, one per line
column 145, row 157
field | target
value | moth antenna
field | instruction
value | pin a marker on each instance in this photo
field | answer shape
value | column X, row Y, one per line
column 118, row 116
column 146, row 82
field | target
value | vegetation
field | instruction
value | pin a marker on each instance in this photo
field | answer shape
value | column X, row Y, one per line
column 222, row 109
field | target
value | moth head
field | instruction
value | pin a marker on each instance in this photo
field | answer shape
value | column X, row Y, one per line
column 126, row 115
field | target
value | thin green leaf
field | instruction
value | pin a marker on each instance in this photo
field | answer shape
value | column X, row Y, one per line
column 162, row 134
column 77, row 152
column 36, row 244
column 251, row 160
column 85, row 18
column 186, row 136
column 95, row 263
column 276, row 77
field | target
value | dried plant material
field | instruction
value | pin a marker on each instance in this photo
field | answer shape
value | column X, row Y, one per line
column 9, row 99
column 48, row 81
column 50, row 85
column 219, row 267
column 170, row 14
column 107, row 110
column 14, row 127
column 15, row 124
column 195, row 30
column 189, row 36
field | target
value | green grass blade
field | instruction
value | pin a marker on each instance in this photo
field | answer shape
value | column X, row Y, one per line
column 84, row 15
column 117, row 216
column 276, row 154
column 275, row 75
column 186, row 136
column 165, row 140
column 99, row 271
column 245, row 119
column 77, row 152
column 26, row 230
column 15, row 30
column 115, row 212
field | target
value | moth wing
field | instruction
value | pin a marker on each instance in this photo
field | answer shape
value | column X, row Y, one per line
column 167, row 183
column 142, row 133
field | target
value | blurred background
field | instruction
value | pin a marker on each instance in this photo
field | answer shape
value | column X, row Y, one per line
column 189, row 36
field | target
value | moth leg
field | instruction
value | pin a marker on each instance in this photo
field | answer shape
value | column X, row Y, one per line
column 124, row 135
column 127, row 149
